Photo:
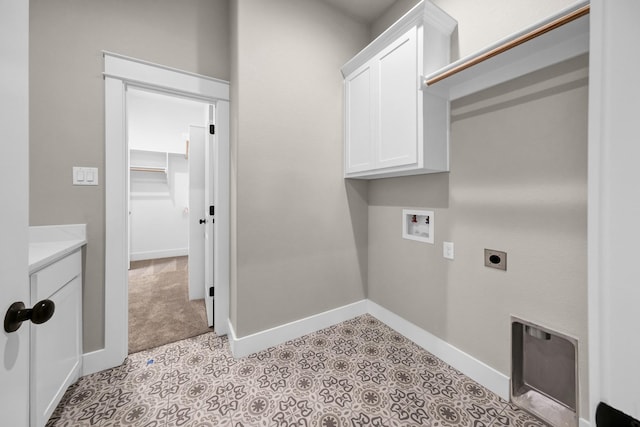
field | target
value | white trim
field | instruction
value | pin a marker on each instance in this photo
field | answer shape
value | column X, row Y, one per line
column 149, row 74
column 120, row 72
column 484, row 374
column 595, row 202
column 165, row 253
column 129, row 59
column 583, row 423
column 116, row 236
column 490, row 378
column 421, row 13
column 93, row 362
column 253, row 343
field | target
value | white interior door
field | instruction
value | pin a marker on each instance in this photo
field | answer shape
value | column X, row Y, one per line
column 209, row 197
column 197, row 217
column 14, row 193
column 221, row 236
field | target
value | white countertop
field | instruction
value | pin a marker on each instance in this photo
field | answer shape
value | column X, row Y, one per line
column 49, row 243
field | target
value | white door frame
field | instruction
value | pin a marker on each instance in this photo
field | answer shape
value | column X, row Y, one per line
column 14, row 193
column 119, row 72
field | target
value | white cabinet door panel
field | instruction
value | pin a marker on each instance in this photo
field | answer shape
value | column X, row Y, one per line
column 398, row 103
column 56, row 344
column 359, row 125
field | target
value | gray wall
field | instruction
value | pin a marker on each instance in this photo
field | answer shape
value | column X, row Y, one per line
column 300, row 229
column 518, row 183
column 67, row 102
column 391, row 15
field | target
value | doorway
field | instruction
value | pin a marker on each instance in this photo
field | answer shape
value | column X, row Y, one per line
column 119, row 73
column 166, row 280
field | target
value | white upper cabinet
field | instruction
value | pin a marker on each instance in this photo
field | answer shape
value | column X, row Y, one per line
column 391, row 127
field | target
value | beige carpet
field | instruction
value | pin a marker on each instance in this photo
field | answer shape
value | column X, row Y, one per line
column 159, row 308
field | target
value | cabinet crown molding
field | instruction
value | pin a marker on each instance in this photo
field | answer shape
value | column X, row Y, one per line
column 424, row 13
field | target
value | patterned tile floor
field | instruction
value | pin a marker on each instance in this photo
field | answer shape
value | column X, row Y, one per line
column 358, row 373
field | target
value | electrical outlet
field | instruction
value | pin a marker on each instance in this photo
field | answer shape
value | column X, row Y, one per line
column 495, row 259
column 447, row 250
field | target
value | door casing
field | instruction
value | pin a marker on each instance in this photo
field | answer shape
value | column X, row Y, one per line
column 119, row 72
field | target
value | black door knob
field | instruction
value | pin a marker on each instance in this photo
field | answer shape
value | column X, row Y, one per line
column 17, row 313
column 203, row 221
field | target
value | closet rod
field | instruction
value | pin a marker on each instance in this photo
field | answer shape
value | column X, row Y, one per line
column 142, row 169
column 560, row 21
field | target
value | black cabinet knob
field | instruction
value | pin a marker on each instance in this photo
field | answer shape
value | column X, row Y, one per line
column 17, row 313
column 203, row 221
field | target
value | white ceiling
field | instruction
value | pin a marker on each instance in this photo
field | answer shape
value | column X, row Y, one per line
column 365, row 11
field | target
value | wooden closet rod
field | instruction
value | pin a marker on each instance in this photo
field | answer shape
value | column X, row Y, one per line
column 143, row 169
column 560, row 21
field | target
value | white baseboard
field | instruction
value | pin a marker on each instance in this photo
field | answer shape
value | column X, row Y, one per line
column 490, row 378
column 473, row 368
column 253, row 343
column 95, row 361
column 487, row 376
column 165, row 253
column 583, row 423
column 104, row 358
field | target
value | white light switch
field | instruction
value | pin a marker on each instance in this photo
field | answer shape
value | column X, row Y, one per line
column 85, row 176
column 447, row 250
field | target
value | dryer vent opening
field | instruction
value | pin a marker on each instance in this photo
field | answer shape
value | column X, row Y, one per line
column 544, row 373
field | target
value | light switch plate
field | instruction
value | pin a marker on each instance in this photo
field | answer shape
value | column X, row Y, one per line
column 447, row 250
column 85, row 176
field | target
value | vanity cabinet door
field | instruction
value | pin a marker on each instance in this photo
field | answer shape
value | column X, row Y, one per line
column 56, row 345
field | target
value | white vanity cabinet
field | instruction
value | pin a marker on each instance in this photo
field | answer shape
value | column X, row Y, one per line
column 391, row 127
column 56, row 345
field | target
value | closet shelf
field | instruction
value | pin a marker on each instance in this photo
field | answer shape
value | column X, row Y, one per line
column 148, row 161
column 557, row 38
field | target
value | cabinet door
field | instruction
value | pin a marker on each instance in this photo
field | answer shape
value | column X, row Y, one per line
column 398, row 96
column 359, row 113
column 56, row 345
